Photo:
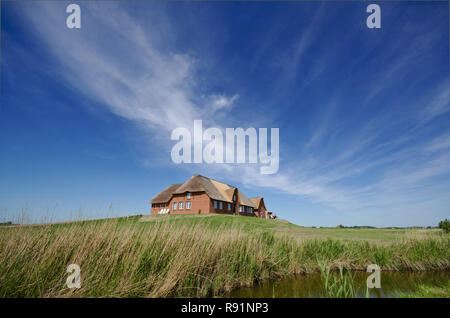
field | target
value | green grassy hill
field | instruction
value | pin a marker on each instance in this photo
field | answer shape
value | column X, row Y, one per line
column 301, row 233
column 171, row 256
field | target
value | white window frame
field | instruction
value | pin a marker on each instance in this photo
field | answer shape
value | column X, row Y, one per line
column 181, row 205
column 188, row 205
column 174, row 206
column 188, row 195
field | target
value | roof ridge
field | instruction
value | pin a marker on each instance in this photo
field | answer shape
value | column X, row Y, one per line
column 199, row 175
column 166, row 194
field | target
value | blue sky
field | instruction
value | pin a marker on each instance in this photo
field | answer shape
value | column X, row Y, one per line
column 86, row 115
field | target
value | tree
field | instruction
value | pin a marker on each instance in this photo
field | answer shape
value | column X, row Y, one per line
column 445, row 225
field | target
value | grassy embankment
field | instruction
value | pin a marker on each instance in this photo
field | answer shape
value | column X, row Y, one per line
column 195, row 255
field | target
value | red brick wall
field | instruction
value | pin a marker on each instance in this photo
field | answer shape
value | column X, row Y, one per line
column 199, row 201
column 261, row 208
column 224, row 209
column 157, row 207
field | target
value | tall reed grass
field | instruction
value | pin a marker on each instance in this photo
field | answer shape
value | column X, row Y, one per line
column 337, row 284
column 127, row 258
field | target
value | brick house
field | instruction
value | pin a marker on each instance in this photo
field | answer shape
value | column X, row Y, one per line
column 260, row 208
column 201, row 195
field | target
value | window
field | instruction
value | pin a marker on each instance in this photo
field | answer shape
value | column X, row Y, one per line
column 229, row 206
column 215, row 204
column 180, row 205
column 221, row 205
column 174, row 207
column 188, row 205
column 234, row 197
column 188, row 195
column 241, row 208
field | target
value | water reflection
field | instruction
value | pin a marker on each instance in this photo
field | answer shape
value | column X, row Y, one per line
column 311, row 285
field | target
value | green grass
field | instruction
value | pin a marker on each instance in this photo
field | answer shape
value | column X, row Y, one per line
column 195, row 256
column 337, row 284
column 424, row 291
column 304, row 233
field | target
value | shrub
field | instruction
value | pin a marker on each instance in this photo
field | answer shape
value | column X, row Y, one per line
column 445, row 225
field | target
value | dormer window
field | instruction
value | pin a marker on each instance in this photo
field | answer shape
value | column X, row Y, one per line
column 188, row 195
column 234, row 197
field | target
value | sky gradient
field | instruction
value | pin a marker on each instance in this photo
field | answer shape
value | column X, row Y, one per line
column 364, row 114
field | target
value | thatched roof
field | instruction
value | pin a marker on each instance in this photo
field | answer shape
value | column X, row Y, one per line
column 198, row 183
column 216, row 190
column 166, row 194
column 256, row 201
column 243, row 200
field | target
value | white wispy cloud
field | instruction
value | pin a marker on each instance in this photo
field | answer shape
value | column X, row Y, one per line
column 440, row 143
column 438, row 106
column 221, row 102
column 116, row 63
